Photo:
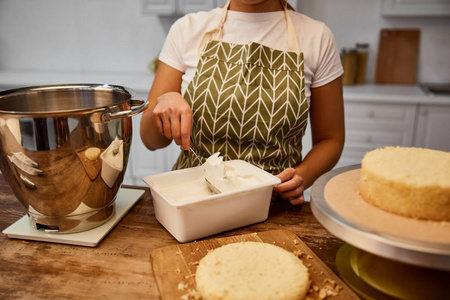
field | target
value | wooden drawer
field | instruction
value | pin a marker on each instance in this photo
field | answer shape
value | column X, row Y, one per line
column 372, row 125
column 368, row 115
column 359, row 142
column 376, row 138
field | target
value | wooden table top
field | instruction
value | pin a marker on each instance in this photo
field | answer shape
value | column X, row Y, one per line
column 119, row 267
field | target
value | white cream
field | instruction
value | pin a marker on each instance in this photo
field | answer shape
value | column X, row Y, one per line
column 226, row 177
column 240, row 177
column 188, row 190
column 215, row 173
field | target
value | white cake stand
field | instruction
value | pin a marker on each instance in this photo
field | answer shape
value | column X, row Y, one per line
column 405, row 240
column 387, row 256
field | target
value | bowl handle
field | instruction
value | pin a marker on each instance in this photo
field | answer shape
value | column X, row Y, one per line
column 139, row 106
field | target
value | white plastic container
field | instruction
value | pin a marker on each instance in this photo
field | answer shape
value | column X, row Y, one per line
column 112, row 164
column 188, row 210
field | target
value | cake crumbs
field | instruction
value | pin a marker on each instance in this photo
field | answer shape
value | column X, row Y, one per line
column 299, row 253
column 332, row 285
column 194, row 263
column 192, row 295
column 330, row 288
column 182, row 286
column 178, row 270
column 323, row 293
column 295, row 242
column 179, row 253
column 309, row 256
column 189, row 276
column 330, row 281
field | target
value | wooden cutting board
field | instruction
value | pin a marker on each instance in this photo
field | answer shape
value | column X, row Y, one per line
column 92, row 167
column 175, row 266
column 398, row 53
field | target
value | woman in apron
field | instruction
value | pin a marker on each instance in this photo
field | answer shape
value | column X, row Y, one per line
column 242, row 80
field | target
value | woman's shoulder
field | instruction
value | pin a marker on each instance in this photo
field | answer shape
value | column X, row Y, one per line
column 310, row 26
column 198, row 20
column 298, row 17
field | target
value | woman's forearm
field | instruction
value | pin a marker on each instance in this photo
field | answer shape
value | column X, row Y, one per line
column 167, row 79
column 327, row 129
column 150, row 136
column 321, row 159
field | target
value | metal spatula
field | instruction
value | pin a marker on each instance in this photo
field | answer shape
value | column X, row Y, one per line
column 210, row 185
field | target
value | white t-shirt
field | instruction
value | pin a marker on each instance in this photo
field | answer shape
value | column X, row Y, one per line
column 322, row 63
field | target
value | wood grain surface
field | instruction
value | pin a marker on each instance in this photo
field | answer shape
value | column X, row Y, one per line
column 92, row 167
column 175, row 266
column 398, row 53
column 119, row 267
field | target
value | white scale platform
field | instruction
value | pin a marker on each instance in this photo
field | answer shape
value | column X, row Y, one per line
column 126, row 199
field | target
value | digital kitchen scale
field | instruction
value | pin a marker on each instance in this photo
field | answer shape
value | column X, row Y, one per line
column 125, row 200
column 403, row 246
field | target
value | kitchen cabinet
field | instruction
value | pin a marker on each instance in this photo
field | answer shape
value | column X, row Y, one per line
column 182, row 7
column 372, row 125
column 392, row 8
column 433, row 127
column 159, row 6
column 179, row 7
column 377, row 116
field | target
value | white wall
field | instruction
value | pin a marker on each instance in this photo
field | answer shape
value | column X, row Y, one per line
column 78, row 35
column 114, row 35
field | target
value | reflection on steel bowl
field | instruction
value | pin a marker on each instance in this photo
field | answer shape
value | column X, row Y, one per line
column 57, row 146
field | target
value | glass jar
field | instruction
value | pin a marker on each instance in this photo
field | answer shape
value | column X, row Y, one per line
column 362, row 51
column 349, row 59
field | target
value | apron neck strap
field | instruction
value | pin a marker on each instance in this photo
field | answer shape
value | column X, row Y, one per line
column 217, row 33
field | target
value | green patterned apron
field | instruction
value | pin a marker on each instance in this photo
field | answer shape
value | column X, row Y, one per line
column 248, row 102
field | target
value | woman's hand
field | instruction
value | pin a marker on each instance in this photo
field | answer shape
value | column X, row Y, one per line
column 173, row 118
column 167, row 111
column 291, row 187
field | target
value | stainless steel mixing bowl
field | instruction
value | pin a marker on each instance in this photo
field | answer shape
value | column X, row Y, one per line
column 64, row 151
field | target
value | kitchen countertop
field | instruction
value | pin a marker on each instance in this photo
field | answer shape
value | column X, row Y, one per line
column 392, row 93
column 119, row 267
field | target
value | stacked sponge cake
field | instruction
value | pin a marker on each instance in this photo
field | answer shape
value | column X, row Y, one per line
column 413, row 182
